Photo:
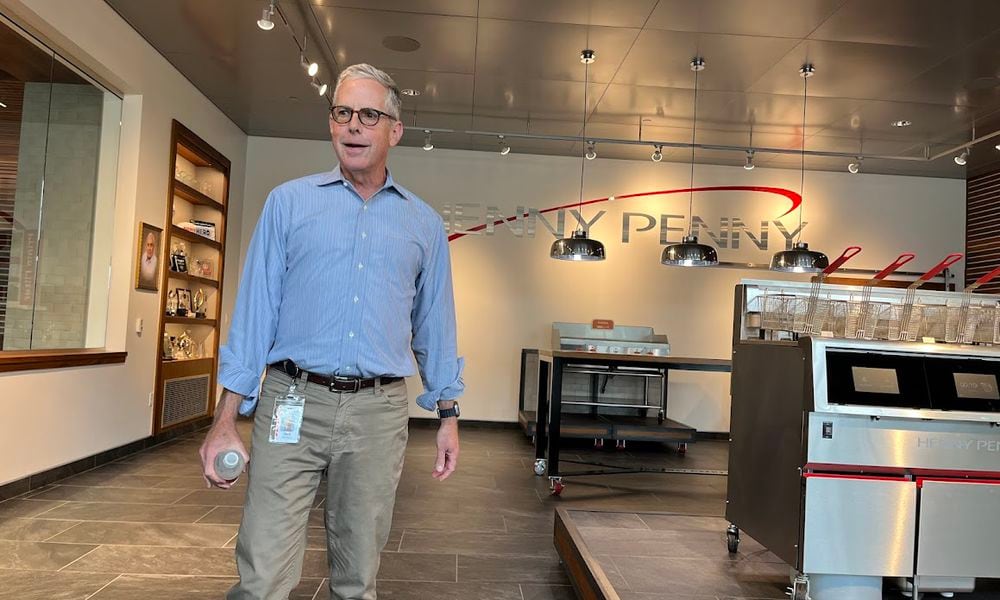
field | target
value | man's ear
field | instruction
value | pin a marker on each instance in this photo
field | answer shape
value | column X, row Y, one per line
column 396, row 133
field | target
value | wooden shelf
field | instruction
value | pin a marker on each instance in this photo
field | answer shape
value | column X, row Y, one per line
column 190, row 321
column 190, row 277
column 193, row 196
column 187, row 360
column 194, row 238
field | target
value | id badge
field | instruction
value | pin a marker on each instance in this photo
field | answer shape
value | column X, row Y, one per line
column 286, row 420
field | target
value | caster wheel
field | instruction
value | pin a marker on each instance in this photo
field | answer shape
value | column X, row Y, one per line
column 540, row 466
column 619, row 444
column 682, row 449
column 732, row 539
column 598, row 444
column 557, row 488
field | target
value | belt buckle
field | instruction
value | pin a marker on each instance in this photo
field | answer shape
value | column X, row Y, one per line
column 338, row 380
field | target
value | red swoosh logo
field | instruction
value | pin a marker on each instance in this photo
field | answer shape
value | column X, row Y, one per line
column 795, row 198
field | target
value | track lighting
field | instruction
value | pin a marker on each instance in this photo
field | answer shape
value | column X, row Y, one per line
column 265, row 21
column 749, row 166
column 427, row 140
column 2, row 105
column 855, row 167
column 504, row 146
column 591, row 151
column 962, row 158
column 320, row 87
column 657, row 155
column 311, row 68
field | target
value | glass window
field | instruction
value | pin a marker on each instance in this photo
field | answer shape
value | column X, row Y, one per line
column 59, row 134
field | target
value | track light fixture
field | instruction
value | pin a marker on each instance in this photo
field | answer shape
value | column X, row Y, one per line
column 504, row 146
column 855, row 167
column 320, row 87
column 427, row 140
column 657, row 155
column 749, row 166
column 591, row 148
column 962, row 158
column 312, row 68
column 265, row 21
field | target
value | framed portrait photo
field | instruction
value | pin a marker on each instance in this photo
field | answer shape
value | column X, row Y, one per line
column 147, row 264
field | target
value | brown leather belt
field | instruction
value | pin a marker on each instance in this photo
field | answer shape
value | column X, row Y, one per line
column 335, row 383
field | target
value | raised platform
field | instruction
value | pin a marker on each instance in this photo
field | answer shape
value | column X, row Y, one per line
column 658, row 556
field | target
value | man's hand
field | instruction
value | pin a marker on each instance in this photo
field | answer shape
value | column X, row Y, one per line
column 447, row 445
column 221, row 437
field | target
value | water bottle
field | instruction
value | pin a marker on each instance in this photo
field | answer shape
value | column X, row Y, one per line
column 228, row 464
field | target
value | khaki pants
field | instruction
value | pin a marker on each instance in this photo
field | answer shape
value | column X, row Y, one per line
column 360, row 438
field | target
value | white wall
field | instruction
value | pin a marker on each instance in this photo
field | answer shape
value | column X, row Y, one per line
column 73, row 413
column 509, row 292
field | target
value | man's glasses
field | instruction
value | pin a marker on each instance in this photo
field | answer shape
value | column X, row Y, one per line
column 368, row 116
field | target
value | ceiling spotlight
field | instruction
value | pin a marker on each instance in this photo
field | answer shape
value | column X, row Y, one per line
column 320, row 87
column 749, row 166
column 901, row 123
column 265, row 21
column 427, row 140
column 587, row 57
column 311, row 68
column 698, row 64
column 504, row 146
column 657, row 154
column 2, row 105
column 5, row 106
column 962, row 158
column 410, row 92
column 591, row 151
column 854, row 168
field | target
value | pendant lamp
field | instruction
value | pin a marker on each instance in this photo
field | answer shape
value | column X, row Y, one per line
column 800, row 259
column 579, row 246
column 690, row 253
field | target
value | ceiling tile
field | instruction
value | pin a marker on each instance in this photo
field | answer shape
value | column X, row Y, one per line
column 663, row 58
column 620, row 13
column 455, row 8
column 446, row 43
column 778, row 18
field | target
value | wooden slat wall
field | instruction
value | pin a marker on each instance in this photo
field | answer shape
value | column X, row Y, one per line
column 12, row 94
column 982, row 229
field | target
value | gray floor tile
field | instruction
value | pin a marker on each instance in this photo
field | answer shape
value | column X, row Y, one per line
column 230, row 497
column 149, row 534
column 51, row 585
column 532, row 591
column 405, row 590
column 107, row 511
column 18, row 507
column 106, row 494
column 511, row 569
column 40, row 556
column 417, row 566
column 36, row 530
column 498, row 544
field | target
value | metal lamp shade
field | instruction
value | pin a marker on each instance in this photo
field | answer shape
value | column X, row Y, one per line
column 800, row 259
column 577, row 247
column 689, row 253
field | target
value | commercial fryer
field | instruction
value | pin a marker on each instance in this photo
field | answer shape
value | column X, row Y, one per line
column 855, row 460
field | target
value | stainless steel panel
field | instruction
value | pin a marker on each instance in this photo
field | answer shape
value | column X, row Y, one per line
column 904, row 443
column 779, row 18
column 620, row 13
column 959, row 529
column 662, row 58
column 457, row 8
column 859, row 527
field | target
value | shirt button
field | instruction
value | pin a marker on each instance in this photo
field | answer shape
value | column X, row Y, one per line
column 355, row 299
column 363, row 235
column 351, row 334
column 360, row 266
column 365, row 207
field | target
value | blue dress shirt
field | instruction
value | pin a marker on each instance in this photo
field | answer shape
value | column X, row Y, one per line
column 346, row 287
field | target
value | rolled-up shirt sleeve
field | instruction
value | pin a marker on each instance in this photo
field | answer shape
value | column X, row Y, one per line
column 434, row 333
column 255, row 318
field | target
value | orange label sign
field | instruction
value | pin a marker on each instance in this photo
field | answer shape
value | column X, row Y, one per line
column 603, row 324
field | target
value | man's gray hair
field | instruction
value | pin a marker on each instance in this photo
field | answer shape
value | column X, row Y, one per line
column 393, row 101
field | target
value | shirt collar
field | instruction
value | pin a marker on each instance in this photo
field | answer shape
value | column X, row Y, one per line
column 335, row 176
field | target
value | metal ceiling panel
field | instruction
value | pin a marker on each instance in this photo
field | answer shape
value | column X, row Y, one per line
column 620, row 13
column 846, row 70
column 454, row 8
column 441, row 92
column 521, row 50
column 535, row 98
column 663, row 58
column 949, row 25
column 874, row 119
column 778, row 18
column 968, row 79
column 446, row 43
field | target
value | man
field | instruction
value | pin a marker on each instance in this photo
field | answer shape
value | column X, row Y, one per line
column 344, row 267
column 147, row 266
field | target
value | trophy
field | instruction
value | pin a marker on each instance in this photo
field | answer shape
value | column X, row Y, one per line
column 171, row 303
column 168, row 347
column 198, row 303
column 178, row 258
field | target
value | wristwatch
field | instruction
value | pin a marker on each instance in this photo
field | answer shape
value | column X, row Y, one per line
column 444, row 413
